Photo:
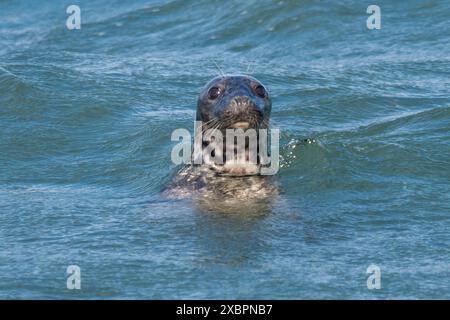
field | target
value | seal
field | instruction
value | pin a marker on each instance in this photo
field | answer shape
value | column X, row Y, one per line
column 233, row 102
column 228, row 102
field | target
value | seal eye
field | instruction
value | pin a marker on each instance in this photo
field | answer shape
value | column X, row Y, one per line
column 214, row 93
column 260, row 91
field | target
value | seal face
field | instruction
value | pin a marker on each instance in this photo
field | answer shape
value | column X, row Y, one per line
column 234, row 102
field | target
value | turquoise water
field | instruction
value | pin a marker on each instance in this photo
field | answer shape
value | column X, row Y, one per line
column 85, row 123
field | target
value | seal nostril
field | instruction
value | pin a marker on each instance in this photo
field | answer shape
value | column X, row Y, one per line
column 242, row 101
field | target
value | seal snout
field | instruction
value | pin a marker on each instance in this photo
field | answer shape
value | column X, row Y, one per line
column 242, row 113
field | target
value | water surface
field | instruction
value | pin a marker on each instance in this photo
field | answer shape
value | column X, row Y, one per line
column 85, row 123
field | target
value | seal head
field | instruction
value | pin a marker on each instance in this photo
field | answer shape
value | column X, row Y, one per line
column 234, row 102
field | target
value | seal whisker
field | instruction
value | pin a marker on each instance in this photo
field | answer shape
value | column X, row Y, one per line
column 205, row 124
column 219, row 68
column 248, row 67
